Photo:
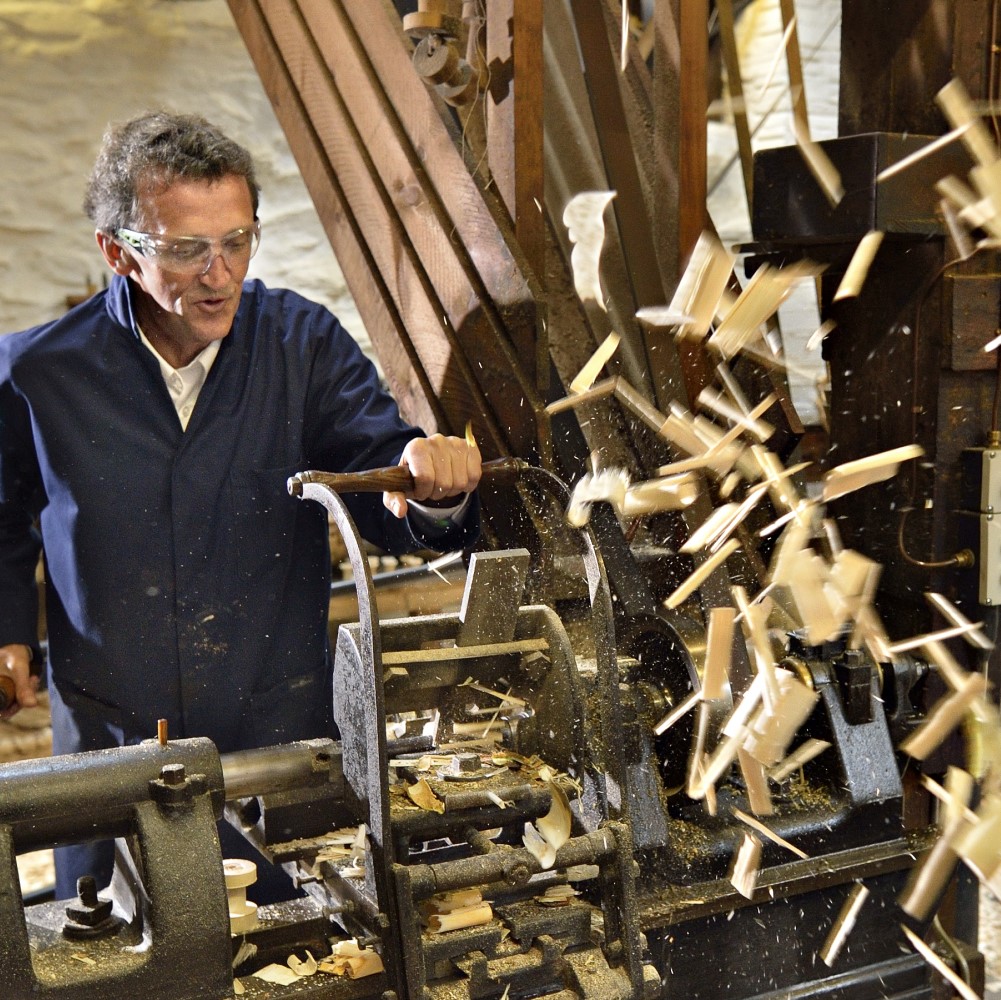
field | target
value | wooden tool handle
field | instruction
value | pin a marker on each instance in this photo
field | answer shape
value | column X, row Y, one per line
column 394, row 478
column 7, row 694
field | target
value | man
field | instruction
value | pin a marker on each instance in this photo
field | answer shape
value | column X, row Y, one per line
column 150, row 433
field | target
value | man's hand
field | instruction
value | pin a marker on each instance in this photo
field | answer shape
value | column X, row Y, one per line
column 15, row 662
column 442, row 467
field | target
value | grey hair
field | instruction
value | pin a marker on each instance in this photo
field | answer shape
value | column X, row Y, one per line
column 158, row 148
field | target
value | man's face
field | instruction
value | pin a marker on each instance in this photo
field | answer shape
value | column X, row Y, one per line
column 182, row 313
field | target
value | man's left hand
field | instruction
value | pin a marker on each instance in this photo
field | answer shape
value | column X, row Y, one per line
column 442, row 467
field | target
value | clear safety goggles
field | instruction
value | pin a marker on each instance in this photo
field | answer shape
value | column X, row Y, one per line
column 194, row 254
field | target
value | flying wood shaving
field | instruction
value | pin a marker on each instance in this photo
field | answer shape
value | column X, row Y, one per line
column 504, row 699
column 928, row 880
column 585, row 378
column 939, row 966
column 610, row 485
column 696, row 759
column 818, row 335
column 844, row 923
column 624, row 53
column 768, row 288
column 583, row 218
column 663, row 316
column 710, row 529
column 979, row 844
column 955, row 191
column 713, row 400
column 800, row 756
column 858, row 267
column 773, row 728
column 701, row 574
column 967, row 630
column 919, row 154
column 701, row 290
column 759, row 798
column 952, row 614
column 876, row 468
column 960, row 112
column 653, row 495
column 819, row 164
column 770, row 834
column 745, row 866
column 598, row 391
column 781, row 489
column 719, row 648
column 943, row 718
column 679, row 711
column 783, row 46
column 754, row 620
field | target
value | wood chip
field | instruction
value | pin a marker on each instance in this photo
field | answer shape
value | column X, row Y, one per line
column 665, row 493
column 539, row 847
column 466, row 916
column 678, row 712
column 744, row 877
column 858, row 267
column 945, row 715
column 952, row 614
column 919, row 154
column 844, row 923
column 960, row 113
column 719, row 649
column 759, row 797
column 876, row 468
column 585, row 378
column 770, row 834
column 280, row 975
column 819, row 164
column 803, row 754
column 939, row 966
column 585, row 224
column 422, row 795
column 702, row 286
column 701, row 573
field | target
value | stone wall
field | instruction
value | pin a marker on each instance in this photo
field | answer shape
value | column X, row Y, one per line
column 67, row 68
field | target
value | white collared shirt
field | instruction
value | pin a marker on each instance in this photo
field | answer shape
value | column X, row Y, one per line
column 185, row 383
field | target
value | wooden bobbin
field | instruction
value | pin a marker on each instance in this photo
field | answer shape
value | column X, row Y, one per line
column 239, row 873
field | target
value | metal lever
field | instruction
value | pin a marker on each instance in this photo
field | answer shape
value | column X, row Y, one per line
column 393, row 478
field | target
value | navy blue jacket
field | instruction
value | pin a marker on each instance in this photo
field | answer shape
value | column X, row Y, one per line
column 183, row 582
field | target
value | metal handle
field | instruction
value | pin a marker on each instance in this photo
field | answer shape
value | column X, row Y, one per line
column 394, row 478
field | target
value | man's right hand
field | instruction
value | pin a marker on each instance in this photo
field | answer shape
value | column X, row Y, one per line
column 15, row 662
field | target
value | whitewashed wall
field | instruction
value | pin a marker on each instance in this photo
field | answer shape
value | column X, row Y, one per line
column 67, row 68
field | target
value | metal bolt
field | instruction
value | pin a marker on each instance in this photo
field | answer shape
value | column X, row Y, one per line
column 468, row 762
column 86, row 889
column 172, row 774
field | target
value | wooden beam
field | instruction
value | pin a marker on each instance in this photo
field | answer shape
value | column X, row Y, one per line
column 514, row 103
column 467, row 311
